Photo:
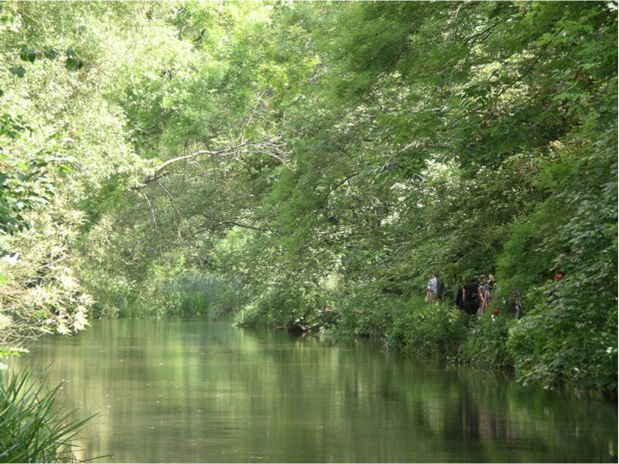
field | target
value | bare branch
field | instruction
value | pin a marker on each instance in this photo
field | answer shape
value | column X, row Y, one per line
column 339, row 184
column 268, row 147
column 245, row 226
column 197, row 39
column 152, row 211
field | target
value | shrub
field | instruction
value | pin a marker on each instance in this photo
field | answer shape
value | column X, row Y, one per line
column 283, row 308
column 364, row 312
column 560, row 343
column 252, row 315
column 431, row 330
column 486, row 343
column 200, row 295
column 184, row 294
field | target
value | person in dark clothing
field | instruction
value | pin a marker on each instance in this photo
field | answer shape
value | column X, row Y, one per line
column 440, row 287
column 459, row 298
column 471, row 297
column 517, row 307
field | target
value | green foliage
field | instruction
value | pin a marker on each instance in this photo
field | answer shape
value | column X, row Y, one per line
column 283, row 308
column 430, row 330
column 373, row 151
column 486, row 344
column 363, row 313
column 31, row 427
column 49, row 148
column 561, row 344
column 190, row 295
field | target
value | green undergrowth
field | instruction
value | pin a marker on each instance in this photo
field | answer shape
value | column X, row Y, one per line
column 188, row 295
column 283, row 309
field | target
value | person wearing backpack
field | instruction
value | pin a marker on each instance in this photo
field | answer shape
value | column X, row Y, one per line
column 432, row 288
column 460, row 295
column 470, row 297
column 440, row 288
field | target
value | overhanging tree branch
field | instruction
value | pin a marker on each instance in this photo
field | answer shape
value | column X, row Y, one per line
column 268, row 147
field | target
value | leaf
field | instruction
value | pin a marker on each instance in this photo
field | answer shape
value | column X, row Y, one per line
column 73, row 61
column 27, row 54
column 18, row 71
column 74, row 64
column 50, row 54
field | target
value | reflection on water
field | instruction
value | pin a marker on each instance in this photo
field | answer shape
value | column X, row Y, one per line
column 193, row 391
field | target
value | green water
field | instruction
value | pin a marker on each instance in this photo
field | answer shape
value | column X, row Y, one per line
column 193, row 391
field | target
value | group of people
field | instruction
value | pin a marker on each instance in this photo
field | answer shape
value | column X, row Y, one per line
column 474, row 297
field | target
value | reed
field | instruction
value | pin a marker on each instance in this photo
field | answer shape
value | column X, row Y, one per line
column 208, row 295
column 32, row 429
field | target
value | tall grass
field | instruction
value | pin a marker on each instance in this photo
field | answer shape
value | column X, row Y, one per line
column 201, row 295
column 188, row 294
column 31, row 427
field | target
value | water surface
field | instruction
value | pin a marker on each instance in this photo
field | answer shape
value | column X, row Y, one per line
column 194, row 391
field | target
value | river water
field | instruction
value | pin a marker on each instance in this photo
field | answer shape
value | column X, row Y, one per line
column 197, row 391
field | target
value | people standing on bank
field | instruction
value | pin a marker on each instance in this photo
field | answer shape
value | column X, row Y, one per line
column 485, row 294
column 553, row 294
column 517, row 308
column 440, row 288
column 459, row 299
column 470, row 296
column 490, row 290
column 432, row 288
column 481, row 291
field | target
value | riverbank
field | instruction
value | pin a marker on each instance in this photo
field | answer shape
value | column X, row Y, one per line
column 541, row 347
column 440, row 331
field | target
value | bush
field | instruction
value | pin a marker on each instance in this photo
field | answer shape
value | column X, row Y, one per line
column 486, row 343
column 251, row 315
column 364, row 312
column 31, row 430
column 200, row 295
column 430, row 330
column 283, row 308
column 563, row 343
column 185, row 294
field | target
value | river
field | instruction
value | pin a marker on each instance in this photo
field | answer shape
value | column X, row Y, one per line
column 197, row 391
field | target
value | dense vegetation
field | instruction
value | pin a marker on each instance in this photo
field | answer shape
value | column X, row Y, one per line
column 309, row 164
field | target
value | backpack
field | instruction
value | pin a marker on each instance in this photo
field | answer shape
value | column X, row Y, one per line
column 440, row 288
column 471, row 292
